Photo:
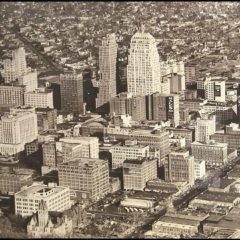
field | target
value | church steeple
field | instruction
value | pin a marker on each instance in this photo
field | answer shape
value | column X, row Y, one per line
column 42, row 214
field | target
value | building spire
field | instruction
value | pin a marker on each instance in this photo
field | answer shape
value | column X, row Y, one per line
column 142, row 28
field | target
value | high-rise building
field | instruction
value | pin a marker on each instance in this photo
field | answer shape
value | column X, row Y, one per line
column 87, row 178
column 180, row 167
column 191, row 72
column 29, row 80
column 16, row 129
column 16, row 66
column 136, row 173
column 143, row 72
column 12, row 96
column 215, row 154
column 20, row 63
column 124, row 103
column 215, row 89
column 27, row 200
column 130, row 150
column 206, row 126
column 107, row 67
column 40, row 98
column 136, row 108
column 71, row 92
column 46, row 118
column 49, row 154
column 118, row 103
column 177, row 83
column 90, row 145
column 166, row 108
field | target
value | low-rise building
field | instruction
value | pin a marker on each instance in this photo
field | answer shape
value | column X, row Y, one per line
column 27, row 200
column 177, row 225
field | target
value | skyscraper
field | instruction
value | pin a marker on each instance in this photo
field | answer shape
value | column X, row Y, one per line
column 107, row 67
column 143, row 72
column 71, row 92
column 16, row 66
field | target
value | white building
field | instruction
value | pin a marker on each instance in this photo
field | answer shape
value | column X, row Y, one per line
column 90, row 145
column 143, row 72
column 29, row 80
column 206, row 126
column 40, row 98
column 16, row 129
column 27, row 200
column 199, row 169
column 107, row 66
column 16, row 66
column 128, row 151
column 215, row 89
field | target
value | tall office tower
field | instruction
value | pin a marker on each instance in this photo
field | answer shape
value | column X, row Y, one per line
column 20, row 63
column 177, row 82
column 29, row 80
column 107, row 67
column 118, row 103
column 180, row 167
column 87, row 178
column 71, row 92
column 49, row 154
column 206, row 126
column 90, row 146
column 9, row 73
column 166, row 108
column 136, row 172
column 11, row 96
column 125, row 103
column 136, row 107
column 46, row 118
column 215, row 89
column 191, row 72
column 16, row 66
column 16, row 129
column 143, row 72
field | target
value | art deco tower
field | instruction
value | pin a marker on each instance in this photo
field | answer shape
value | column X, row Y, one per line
column 143, row 73
column 107, row 67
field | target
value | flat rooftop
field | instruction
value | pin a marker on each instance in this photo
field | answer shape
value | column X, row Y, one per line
column 218, row 196
column 38, row 190
column 84, row 162
column 223, row 183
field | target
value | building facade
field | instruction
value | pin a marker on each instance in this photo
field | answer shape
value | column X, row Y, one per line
column 143, row 72
column 136, row 173
column 71, row 92
column 87, row 178
column 27, row 200
column 180, row 167
column 107, row 67
column 215, row 154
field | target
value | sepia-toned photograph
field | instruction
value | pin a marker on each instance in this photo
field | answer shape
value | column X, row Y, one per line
column 120, row 120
